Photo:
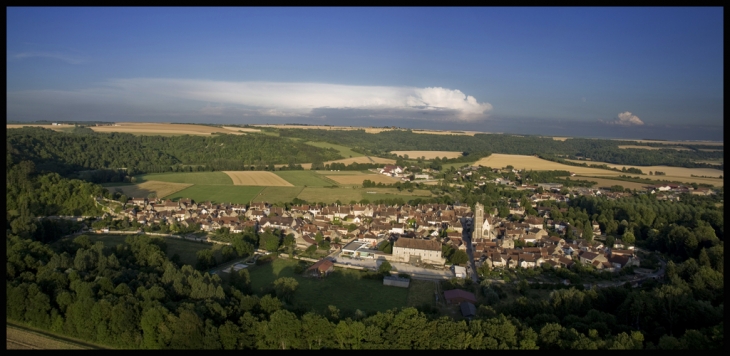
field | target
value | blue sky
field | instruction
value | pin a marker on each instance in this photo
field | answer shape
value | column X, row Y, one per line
column 624, row 72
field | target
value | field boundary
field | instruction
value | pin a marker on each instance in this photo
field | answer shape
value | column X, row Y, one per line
column 51, row 336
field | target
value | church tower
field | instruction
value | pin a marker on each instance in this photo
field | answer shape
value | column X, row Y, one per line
column 478, row 222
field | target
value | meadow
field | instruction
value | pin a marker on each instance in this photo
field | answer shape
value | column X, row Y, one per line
column 143, row 190
column 607, row 183
column 357, row 179
column 258, row 178
column 205, row 178
column 218, row 193
column 344, row 288
column 278, row 194
column 29, row 339
column 654, row 148
column 428, row 154
column 344, row 151
column 305, row 178
column 186, row 249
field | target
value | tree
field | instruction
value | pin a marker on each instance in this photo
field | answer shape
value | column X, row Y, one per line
column 285, row 287
column 628, row 238
column 385, row 268
column 588, row 231
column 459, row 257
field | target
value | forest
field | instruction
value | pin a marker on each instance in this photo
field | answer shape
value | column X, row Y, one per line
column 597, row 149
column 102, row 157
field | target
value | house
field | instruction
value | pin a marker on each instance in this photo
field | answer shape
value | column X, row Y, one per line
column 457, row 296
column 468, row 310
column 590, row 257
column 320, row 268
column 459, row 272
column 426, row 250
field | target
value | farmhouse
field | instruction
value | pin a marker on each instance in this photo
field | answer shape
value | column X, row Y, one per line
column 425, row 250
column 320, row 269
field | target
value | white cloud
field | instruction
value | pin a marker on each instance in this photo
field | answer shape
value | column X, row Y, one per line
column 55, row 55
column 625, row 119
column 279, row 99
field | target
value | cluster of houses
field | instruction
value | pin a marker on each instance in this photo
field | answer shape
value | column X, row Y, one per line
column 403, row 173
column 415, row 231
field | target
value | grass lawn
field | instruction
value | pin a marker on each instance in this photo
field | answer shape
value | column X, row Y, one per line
column 278, row 194
column 203, row 178
column 344, row 151
column 343, row 288
column 304, row 178
column 218, row 193
column 187, row 250
column 421, row 292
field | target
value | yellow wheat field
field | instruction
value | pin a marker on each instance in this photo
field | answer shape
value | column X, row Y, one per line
column 359, row 178
column 708, row 143
column 173, row 129
column 670, row 171
column 454, row 133
column 52, row 127
column 244, row 129
column 497, row 160
column 654, row 148
column 258, row 178
column 142, row 190
column 428, row 154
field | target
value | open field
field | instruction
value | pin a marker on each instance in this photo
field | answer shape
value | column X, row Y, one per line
column 710, row 150
column 322, row 127
column 715, row 162
column 607, row 183
column 421, row 292
column 330, row 195
column 497, row 160
column 560, row 138
column 305, row 178
column 454, row 133
column 428, row 154
column 161, row 189
column 258, row 178
column 670, row 171
column 25, row 338
column 343, row 150
column 153, row 129
column 218, row 193
column 362, row 159
column 206, row 178
column 655, row 148
column 708, row 143
column 186, row 249
column 344, row 288
column 343, row 173
column 278, row 194
column 359, row 178
column 244, row 129
column 59, row 128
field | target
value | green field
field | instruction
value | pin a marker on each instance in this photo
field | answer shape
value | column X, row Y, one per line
column 278, row 194
column 187, row 250
column 344, row 151
column 344, row 288
column 304, row 178
column 218, row 193
column 421, row 292
column 203, row 178
column 331, row 195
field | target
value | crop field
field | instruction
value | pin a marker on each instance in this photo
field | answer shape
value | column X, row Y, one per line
column 321, row 127
column 428, row 154
column 455, row 133
column 538, row 164
column 708, row 143
column 311, row 290
column 343, row 173
column 607, row 183
column 710, row 150
column 278, row 194
column 217, row 193
column 23, row 339
column 359, row 178
column 59, row 128
column 343, row 150
column 362, row 159
column 305, row 178
column 244, row 129
column 141, row 190
column 331, row 195
column 680, row 174
column 206, row 178
column 258, row 178
column 170, row 129
column 654, row 148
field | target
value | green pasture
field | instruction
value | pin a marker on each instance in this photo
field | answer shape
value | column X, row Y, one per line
column 278, row 194
column 344, row 288
column 344, row 151
column 239, row 194
column 330, row 195
column 203, row 178
column 304, row 178
column 186, row 249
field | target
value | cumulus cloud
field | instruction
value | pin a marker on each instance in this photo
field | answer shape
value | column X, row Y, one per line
column 138, row 96
column 625, row 119
column 292, row 98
